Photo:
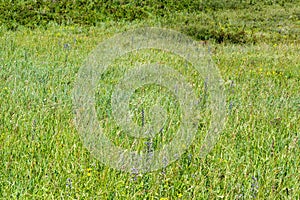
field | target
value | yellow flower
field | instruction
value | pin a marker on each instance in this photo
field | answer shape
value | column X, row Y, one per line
column 179, row 195
column 89, row 169
column 163, row 198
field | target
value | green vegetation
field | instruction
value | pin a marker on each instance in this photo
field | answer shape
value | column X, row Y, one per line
column 255, row 45
column 237, row 21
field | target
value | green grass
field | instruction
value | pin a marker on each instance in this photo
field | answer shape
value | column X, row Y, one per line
column 42, row 154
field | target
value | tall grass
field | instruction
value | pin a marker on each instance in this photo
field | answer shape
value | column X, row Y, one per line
column 43, row 157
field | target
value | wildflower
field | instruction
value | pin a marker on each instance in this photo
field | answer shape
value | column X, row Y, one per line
column 230, row 105
column 67, row 46
column 135, row 173
column 89, row 171
column 69, row 183
column 254, row 187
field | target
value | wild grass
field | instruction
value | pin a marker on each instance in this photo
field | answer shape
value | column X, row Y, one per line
column 43, row 157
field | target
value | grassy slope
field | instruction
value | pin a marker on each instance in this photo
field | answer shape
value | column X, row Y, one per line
column 42, row 154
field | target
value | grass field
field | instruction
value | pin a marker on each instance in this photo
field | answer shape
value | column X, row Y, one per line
column 43, row 157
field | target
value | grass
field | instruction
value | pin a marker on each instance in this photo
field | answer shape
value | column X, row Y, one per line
column 43, row 157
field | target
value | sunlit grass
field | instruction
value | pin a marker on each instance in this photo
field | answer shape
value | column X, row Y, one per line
column 42, row 154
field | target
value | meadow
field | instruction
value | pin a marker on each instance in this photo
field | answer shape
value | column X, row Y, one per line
column 256, row 49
